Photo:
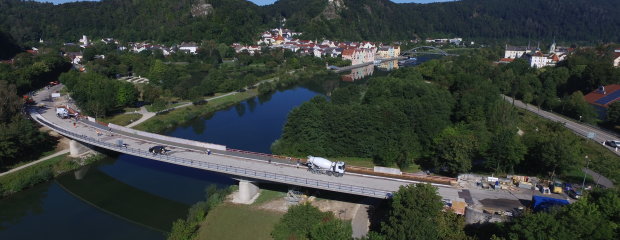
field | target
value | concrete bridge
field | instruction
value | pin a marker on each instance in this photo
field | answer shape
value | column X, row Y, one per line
column 249, row 168
column 424, row 50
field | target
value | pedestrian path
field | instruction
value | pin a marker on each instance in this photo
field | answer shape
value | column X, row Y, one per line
column 65, row 151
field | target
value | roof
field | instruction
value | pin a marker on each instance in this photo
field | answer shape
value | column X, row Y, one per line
column 348, row 52
column 517, row 48
column 604, row 95
column 506, row 60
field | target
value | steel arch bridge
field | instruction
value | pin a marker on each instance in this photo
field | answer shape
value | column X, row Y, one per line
column 426, row 50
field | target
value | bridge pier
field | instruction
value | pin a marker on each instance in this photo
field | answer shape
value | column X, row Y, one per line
column 77, row 148
column 248, row 192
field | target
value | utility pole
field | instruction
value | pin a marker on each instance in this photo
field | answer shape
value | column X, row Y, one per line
column 583, row 184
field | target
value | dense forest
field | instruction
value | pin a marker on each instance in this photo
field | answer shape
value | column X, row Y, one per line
column 228, row 21
column 448, row 115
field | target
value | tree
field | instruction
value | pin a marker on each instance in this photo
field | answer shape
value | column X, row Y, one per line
column 182, row 230
column 613, row 113
column 299, row 221
column 413, row 213
column 575, row 106
column 9, row 101
column 334, row 229
column 126, row 94
column 454, row 149
column 506, row 151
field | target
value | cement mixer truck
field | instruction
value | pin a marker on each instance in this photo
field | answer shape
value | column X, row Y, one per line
column 324, row 166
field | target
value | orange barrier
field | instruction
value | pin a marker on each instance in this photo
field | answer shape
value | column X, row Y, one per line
column 364, row 170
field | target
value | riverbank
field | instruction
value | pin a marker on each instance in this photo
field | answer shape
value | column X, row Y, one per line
column 42, row 171
column 162, row 122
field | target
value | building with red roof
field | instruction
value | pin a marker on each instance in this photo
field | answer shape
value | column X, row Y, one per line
column 602, row 97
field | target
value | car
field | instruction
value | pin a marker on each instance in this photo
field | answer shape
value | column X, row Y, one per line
column 158, row 150
column 568, row 187
column 613, row 143
column 574, row 194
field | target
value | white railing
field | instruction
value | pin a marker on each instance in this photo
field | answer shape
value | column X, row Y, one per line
column 332, row 186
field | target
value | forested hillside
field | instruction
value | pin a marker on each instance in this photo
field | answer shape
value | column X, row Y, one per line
column 380, row 20
column 8, row 47
column 159, row 20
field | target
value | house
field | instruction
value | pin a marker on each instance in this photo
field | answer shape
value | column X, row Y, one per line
column 385, row 52
column 75, row 57
column 540, row 60
column 602, row 97
column 190, row 47
column 516, row 51
column 84, row 41
column 352, row 55
column 617, row 58
column 368, row 45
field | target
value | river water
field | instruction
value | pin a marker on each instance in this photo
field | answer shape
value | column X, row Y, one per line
column 127, row 197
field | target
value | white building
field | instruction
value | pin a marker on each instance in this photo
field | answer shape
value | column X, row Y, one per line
column 516, row 51
column 84, row 41
column 617, row 58
column 190, row 47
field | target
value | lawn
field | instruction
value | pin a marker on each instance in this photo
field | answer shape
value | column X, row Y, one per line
column 267, row 195
column 230, row 221
column 122, row 119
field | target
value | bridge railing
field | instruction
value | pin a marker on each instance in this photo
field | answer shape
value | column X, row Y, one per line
column 332, row 186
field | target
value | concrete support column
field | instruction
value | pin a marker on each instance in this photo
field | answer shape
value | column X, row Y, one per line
column 248, row 192
column 77, row 148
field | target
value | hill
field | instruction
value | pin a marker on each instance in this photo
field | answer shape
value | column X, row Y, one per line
column 239, row 21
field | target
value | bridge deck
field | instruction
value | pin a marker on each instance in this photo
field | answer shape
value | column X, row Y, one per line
column 232, row 163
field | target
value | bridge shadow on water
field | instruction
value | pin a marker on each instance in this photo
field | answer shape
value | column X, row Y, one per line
column 124, row 201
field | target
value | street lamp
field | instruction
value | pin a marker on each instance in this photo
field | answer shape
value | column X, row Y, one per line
column 583, row 184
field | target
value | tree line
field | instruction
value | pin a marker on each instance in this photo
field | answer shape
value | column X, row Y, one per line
column 375, row 20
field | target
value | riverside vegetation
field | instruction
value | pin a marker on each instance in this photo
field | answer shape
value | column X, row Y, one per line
column 445, row 115
column 41, row 172
column 185, row 229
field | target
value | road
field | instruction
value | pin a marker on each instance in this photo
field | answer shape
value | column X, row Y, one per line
column 580, row 129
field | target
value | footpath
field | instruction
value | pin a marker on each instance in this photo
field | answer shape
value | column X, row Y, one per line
column 62, row 152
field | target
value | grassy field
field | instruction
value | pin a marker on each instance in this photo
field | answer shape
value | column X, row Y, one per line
column 267, row 195
column 230, row 221
column 122, row 119
column 179, row 116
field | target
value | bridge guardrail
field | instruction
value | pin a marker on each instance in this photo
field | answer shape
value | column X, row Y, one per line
column 224, row 168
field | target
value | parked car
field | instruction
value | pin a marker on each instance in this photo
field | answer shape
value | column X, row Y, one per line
column 613, row 143
column 574, row 194
column 568, row 187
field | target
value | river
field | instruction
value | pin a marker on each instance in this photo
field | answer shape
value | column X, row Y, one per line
column 127, row 197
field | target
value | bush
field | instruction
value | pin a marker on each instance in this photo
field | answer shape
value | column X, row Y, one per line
column 308, row 222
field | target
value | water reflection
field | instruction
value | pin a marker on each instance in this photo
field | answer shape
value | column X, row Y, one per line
column 358, row 73
column 388, row 65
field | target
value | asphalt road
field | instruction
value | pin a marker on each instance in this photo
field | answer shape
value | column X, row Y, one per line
column 583, row 130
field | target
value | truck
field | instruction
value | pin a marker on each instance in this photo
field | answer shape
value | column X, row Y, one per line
column 325, row 166
column 62, row 112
